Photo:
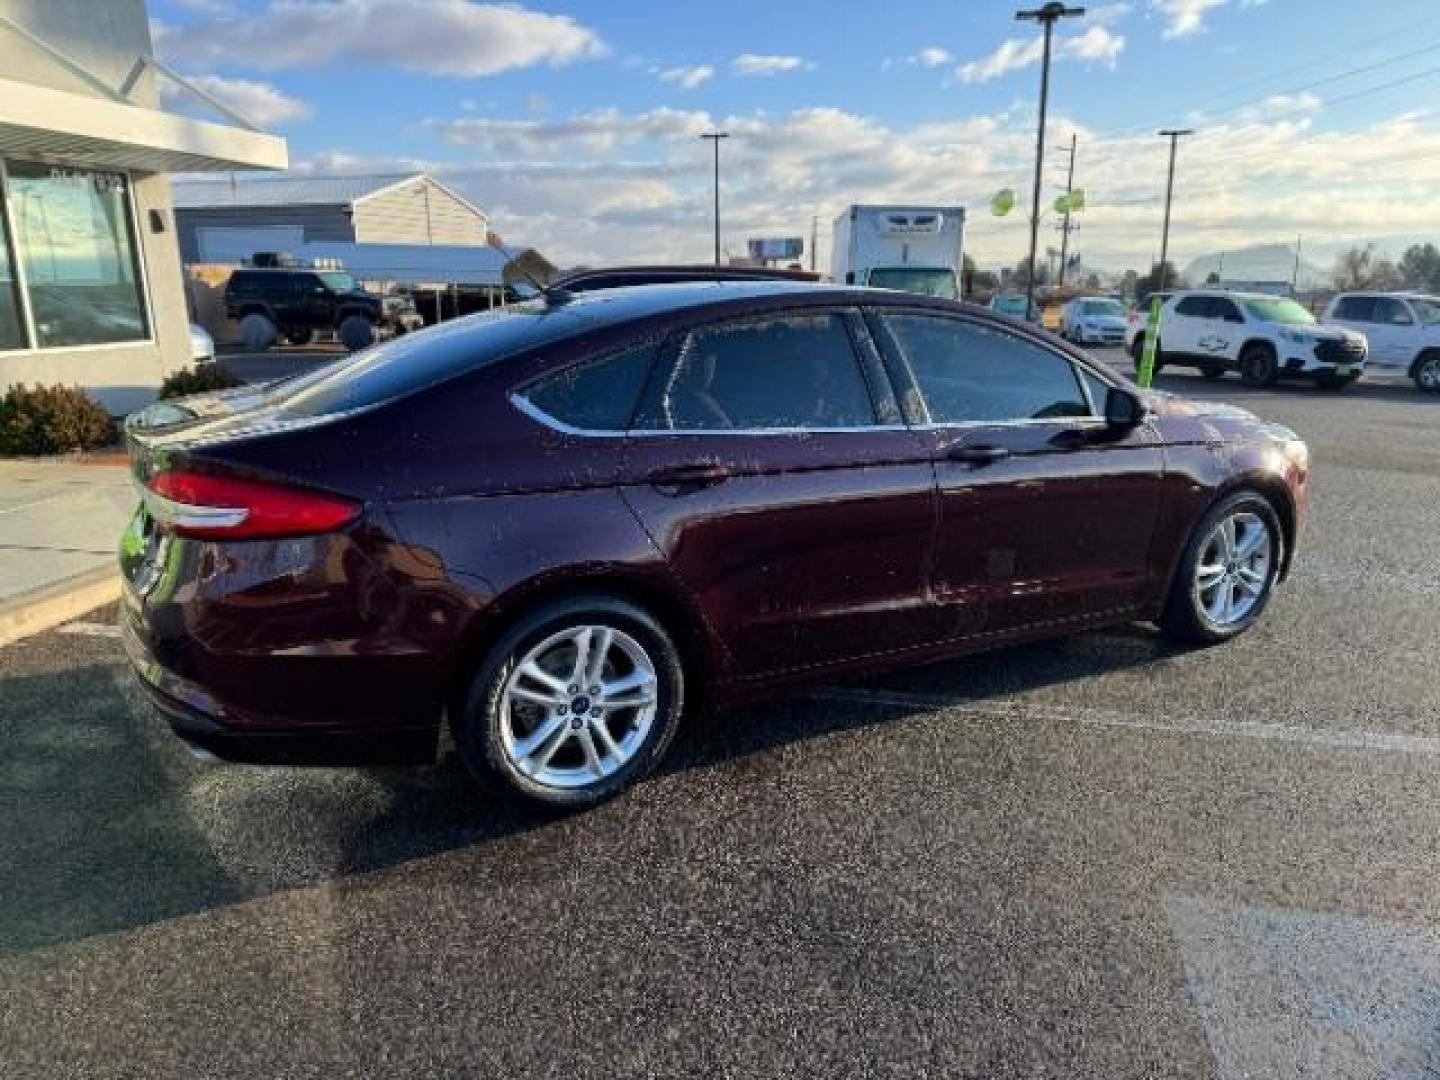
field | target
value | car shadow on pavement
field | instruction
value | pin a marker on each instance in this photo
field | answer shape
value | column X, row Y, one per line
column 989, row 676
column 110, row 825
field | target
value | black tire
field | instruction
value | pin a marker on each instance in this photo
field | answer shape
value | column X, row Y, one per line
column 1184, row 617
column 477, row 721
column 1137, row 352
column 1258, row 365
column 300, row 337
column 258, row 331
column 356, row 332
column 1426, row 372
column 1212, row 372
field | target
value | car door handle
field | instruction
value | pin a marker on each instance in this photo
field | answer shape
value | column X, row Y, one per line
column 699, row 474
column 977, row 453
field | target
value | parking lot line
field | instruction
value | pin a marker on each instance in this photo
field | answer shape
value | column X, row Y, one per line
column 1392, row 742
column 91, row 629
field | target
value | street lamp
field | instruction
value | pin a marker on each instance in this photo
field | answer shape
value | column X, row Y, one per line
column 1047, row 17
column 1173, row 134
column 715, row 137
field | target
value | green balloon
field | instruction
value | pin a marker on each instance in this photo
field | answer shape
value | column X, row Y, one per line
column 1002, row 202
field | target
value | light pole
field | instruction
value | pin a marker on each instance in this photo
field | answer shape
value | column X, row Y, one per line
column 715, row 137
column 1173, row 134
column 1046, row 16
column 1065, row 227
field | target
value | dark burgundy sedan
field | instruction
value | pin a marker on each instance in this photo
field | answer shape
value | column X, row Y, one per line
column 560, row 525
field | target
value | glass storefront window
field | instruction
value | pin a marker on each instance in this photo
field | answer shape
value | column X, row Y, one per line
column 12, row 327
column 73, row 237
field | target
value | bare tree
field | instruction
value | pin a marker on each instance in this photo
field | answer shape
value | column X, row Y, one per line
column 1361, row 268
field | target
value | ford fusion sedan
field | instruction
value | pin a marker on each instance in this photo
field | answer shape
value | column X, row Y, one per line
column 561, row 527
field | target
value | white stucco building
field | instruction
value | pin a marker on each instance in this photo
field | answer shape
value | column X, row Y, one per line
column 91, row 293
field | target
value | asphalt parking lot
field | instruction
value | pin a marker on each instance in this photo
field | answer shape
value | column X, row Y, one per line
column 1099, row 856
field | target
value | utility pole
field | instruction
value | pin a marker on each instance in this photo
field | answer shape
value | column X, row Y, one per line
column 1295, row 273
column 715, row 137
column 1046, row 16
column 814, row 239
column 1173, row 135
column 1065, row 227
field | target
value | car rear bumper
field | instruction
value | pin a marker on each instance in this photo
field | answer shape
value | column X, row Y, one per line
column 206, row 724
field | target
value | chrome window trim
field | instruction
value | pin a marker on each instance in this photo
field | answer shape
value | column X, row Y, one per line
column 545, row 419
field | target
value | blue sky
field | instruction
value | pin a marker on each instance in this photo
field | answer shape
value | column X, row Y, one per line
column 575, row 124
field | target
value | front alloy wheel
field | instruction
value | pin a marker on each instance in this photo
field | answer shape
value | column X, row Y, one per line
column 572, row 703
column 1427, row 373
column 1227, row 572
column 1234, row 568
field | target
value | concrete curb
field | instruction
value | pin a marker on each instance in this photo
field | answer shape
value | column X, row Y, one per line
column 50, row 605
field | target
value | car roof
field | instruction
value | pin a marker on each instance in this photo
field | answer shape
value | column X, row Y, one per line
column 1233, row 294
column 633, row 276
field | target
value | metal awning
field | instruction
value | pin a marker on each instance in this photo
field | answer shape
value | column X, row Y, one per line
column 40, row 123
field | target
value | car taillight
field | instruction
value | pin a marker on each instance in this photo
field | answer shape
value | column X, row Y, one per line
column 226, row 508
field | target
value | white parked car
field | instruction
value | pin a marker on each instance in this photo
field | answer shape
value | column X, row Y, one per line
column 1093, row 320
column 1403, row 330
column 1263, row 337
column 202, row 345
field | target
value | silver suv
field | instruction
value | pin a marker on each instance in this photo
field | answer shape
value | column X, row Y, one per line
column 1403, row 330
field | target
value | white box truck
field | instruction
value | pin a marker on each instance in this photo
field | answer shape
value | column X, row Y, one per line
column 913, row 248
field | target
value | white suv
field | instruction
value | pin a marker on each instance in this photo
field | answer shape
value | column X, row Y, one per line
column 1403, row 330
column 1261, row 336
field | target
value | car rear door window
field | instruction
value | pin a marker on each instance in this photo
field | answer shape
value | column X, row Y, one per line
column 1194, row 307
column 595, row 395
column 1222, row 308
column 796, row 370
column 970, row 373
column 1391, row 312
column 1356, row 309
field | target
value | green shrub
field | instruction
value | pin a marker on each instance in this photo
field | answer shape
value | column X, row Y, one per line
column 52, row 420
column 197, row 380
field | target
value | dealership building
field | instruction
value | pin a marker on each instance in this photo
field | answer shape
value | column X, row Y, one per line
column 91, row 293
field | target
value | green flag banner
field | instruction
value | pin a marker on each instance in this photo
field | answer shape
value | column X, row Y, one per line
column 1145, row 371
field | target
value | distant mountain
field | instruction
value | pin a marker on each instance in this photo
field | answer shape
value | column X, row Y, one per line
column 1260, row 262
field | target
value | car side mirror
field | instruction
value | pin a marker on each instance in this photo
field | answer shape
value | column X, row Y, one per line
column 1123, row 410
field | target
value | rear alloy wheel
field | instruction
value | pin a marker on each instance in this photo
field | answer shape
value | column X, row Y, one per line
column 1258, row 366
column 1227, row 572
column 1427, row 373
column 575, row 703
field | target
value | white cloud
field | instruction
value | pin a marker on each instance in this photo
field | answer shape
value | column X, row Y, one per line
column 591, row 133
column 1011, row 55
column 1095, row 44
column 1185, row 17
column 687, row 77
column 1108, row 13
column 611, row 186
column 932, row 56
column 259, row 102
column 756, row 64
column 437, row 37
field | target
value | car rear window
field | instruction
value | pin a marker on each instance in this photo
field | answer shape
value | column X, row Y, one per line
column 595, row 395
column 405, row 365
